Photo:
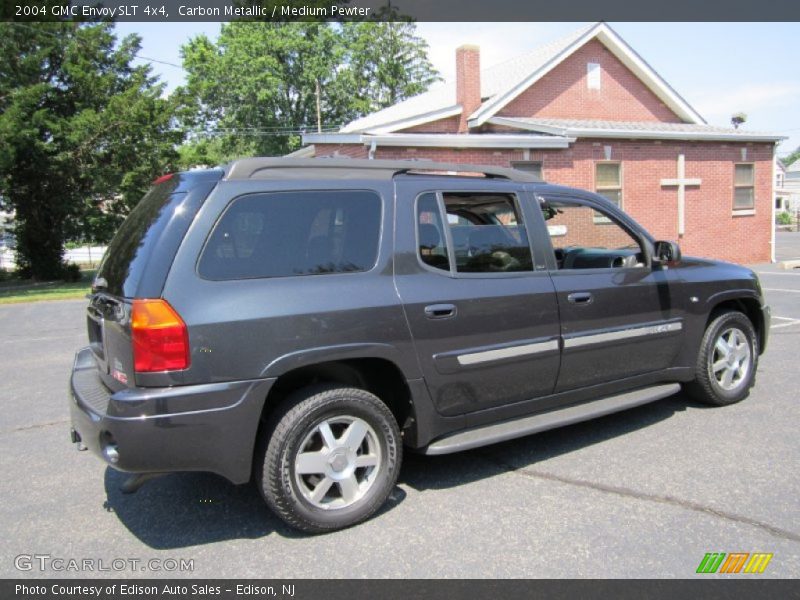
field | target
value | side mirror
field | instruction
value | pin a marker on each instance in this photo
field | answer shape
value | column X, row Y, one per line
column 667, row 251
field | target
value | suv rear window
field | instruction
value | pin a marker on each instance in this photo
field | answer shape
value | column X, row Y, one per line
column 128, row 253
column 281, row 234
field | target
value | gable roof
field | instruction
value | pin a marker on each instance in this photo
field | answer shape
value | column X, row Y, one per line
column 502, row 83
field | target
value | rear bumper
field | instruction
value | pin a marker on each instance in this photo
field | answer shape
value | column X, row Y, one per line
column 209, row 427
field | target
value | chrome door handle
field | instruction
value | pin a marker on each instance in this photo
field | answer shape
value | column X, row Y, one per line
column 440, row 311
column 580, row 298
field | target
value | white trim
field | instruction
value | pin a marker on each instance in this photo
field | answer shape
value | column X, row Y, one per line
column 405, row 123
column 332, row 138
column 474, row 358
column 460, row 140
column 743, row 212
column 622, row 51
column 441, row 140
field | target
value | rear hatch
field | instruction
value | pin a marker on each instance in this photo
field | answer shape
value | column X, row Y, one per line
column 136, row 265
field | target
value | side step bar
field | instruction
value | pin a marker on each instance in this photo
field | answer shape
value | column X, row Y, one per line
column 509, row 430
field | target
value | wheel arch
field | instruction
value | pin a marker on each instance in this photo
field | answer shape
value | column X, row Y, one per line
column 748, row 304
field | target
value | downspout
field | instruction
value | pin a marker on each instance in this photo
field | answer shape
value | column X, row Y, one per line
column 772, row 199
column 374, row 146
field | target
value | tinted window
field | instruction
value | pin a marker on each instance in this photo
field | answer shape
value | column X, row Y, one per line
column 128, row 252
column 430, row 233
column 488, row 233
column 294, row 233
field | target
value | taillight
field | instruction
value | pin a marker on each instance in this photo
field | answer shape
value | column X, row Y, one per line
column 160, row 338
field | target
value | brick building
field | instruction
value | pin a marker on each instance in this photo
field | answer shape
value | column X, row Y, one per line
column 588, row 111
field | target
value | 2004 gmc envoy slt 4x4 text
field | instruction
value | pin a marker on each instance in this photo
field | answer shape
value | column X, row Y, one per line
column 300, row 321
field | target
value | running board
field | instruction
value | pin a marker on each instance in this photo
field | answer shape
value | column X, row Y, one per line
column 509, row 430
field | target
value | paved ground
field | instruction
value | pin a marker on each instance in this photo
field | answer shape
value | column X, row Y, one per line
column 787, row 245
column 645, row 493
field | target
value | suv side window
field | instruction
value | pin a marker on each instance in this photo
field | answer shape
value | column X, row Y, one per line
column 431, row 234
column 486, row 230
column 281, row 234
column 584, row 237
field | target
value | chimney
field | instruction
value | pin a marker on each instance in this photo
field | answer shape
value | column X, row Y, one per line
column 468, row 82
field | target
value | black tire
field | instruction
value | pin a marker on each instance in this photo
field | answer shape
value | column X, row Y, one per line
column 296, row 427
column 707, row 387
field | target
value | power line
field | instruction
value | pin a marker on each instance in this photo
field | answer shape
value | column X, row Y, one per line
column 79, row 41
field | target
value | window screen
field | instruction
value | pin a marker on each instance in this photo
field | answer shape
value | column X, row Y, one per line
column 294, row 233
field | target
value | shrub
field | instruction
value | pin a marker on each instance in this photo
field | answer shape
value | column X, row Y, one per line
column 783, row 218
column 71, row 273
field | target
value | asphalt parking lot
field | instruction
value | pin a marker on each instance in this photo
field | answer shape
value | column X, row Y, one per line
column 644, row 493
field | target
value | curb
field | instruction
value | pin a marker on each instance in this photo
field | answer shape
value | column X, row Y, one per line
column 790, row 264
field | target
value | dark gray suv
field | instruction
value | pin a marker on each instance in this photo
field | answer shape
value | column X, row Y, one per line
column 301, row 321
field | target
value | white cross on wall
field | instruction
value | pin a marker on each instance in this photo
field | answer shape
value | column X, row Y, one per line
column 681, row 182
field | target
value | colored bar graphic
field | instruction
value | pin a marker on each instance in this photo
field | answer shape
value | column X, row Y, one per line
column 758, row 563
column 734, row 562
column 713, row 562
column 710, row 562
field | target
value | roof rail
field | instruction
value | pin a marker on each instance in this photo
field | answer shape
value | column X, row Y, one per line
column 333, row 168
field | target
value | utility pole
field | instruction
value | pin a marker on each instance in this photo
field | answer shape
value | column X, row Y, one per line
column 319, row 111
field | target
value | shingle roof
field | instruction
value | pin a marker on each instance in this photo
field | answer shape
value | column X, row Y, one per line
column 494, row 80
column 632, row 129
column 633, row 126
column 794, row 167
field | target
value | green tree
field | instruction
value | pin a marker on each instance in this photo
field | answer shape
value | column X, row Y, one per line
column 792, row 157
column 386, row 62
column 256, row 89
column 82, row 134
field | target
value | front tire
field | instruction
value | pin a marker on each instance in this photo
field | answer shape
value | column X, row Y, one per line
column 727, row 361
column 329, row 459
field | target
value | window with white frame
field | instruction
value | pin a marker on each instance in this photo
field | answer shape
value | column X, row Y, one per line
column 744, row 179
column 608, row 181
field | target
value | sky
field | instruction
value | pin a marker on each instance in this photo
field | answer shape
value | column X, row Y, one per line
column 719, row 68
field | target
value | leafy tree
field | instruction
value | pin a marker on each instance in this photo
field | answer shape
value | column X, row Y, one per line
column 386, row 62
column 261, row 85
column 82, row 133
column 737, row 119
column 792, row 157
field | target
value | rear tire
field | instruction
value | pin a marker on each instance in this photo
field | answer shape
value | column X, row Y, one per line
column 727, row 361
column 329, row 458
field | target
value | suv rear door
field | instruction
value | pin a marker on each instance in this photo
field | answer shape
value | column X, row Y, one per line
column 483, row 318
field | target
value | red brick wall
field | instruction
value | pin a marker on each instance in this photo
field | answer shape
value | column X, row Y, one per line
column 468, row 82
column 563, row 93
column 711, row 230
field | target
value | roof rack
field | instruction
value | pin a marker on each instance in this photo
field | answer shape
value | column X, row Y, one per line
column 338, row 168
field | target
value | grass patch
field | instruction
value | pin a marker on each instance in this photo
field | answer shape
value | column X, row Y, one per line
column 13, row 291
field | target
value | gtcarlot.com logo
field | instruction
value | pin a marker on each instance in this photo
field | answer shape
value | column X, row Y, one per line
column 48, row 562
column 734, row 562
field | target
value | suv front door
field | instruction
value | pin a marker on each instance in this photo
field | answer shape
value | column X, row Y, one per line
column 484, row 320
column 619, row 317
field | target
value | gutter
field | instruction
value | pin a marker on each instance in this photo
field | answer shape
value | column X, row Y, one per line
column 442, row 140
